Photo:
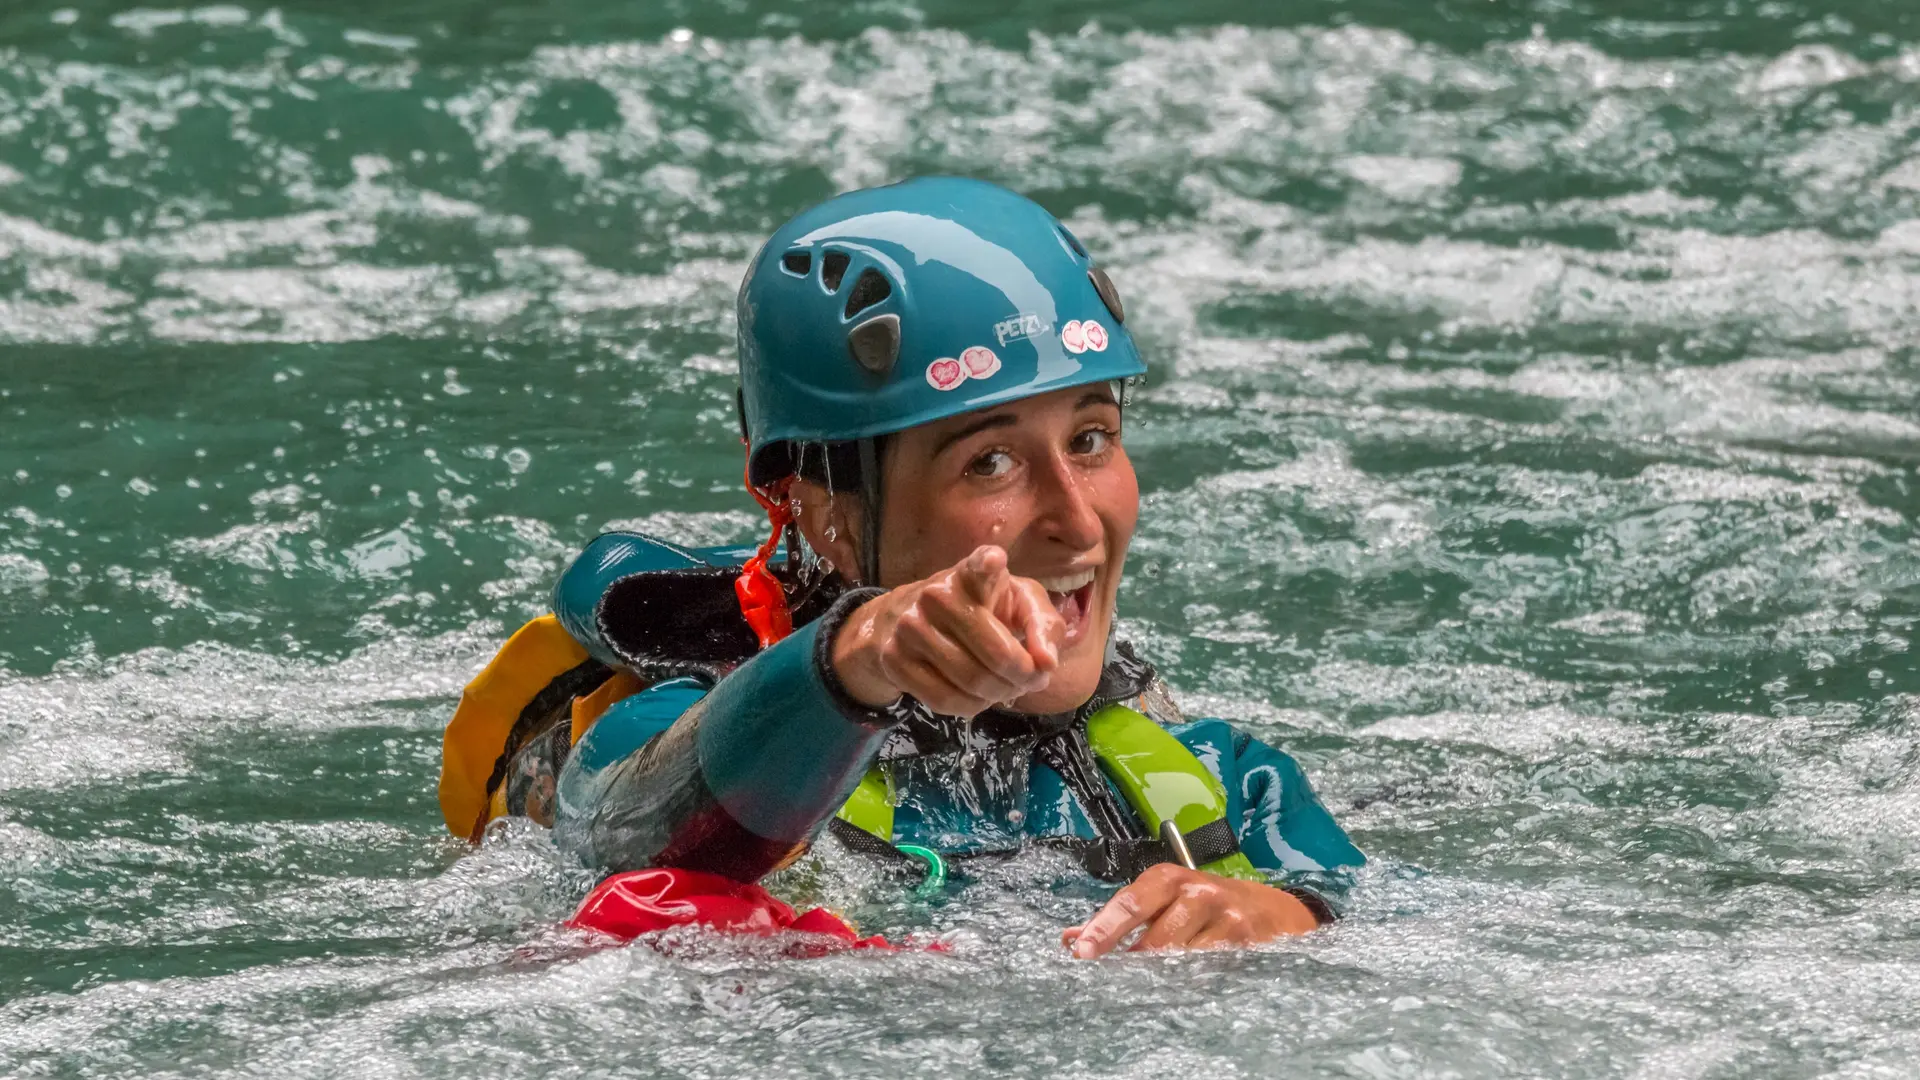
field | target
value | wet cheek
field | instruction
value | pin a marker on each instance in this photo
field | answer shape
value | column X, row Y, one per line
column 1120, row 510
column 989, row 522
column 942, row 536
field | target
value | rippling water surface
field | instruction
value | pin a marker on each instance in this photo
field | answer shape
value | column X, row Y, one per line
column 1532, row 446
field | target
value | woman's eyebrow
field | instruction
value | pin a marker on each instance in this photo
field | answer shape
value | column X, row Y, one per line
column 985, row 423
column 1000, row 420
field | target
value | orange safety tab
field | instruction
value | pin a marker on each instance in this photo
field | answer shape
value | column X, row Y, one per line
column 588, row 708
column 763, row 601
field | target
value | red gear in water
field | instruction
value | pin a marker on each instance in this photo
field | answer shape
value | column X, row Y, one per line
column 643, row 901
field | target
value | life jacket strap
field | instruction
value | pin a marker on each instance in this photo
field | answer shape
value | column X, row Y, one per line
column 860, row 840
column 931, row 864
column 1071, row 755
column 1212, row 842
column 1123, row 859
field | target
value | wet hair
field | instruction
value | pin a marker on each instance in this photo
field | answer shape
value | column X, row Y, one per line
column 836, row 465
column 851, row 467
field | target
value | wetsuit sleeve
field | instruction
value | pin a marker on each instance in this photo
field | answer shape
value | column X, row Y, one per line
column 1283, row 827
column 738, row 781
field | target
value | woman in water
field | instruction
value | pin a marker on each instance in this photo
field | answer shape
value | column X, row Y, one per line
column 933, row 376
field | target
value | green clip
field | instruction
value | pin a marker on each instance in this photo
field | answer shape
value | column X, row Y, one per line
column 936, row 868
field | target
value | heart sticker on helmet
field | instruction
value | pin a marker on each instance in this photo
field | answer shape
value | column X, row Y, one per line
column 945, row 374
column 980, row 362
column 1074, row 336
column 1096, row 336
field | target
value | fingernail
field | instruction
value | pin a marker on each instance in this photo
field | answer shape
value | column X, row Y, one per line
column 1083, row 948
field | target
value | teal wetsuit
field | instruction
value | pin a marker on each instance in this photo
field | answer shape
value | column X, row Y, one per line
column 734, row 774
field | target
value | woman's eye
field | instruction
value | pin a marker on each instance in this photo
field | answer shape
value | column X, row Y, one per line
column 992, row 463
column 1091, row 441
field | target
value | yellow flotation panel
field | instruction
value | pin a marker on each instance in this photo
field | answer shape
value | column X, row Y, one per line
column 870, row 808
column 534, row 656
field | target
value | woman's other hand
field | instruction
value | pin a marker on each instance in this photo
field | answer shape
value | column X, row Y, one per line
column 1190, row 909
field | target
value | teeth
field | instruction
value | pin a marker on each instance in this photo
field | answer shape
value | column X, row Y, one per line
column 1066, row 584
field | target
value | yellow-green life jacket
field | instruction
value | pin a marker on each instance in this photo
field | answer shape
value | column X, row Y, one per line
column 1160, row 779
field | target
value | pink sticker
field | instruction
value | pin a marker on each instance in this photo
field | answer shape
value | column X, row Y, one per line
column 1074, row 336
column 980, row 362
column 945, row 374
column 1096, row 336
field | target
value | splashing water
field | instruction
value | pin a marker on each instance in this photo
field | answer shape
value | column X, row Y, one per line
column 1530, row 447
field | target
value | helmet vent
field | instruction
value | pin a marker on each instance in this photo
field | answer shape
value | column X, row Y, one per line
column 875, row 344
column 868, row 289
column 797, row 263
column 1109, row 295
column 833, row 267
column 1074, row 243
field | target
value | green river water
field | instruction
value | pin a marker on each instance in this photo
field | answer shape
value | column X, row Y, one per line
column 1532, row 446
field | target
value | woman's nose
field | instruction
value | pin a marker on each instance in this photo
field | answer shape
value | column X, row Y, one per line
column 1066, row 504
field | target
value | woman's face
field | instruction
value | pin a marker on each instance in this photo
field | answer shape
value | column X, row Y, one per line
column 1045, row 478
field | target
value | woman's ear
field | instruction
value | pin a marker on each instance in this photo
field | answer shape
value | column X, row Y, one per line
column 830, row 523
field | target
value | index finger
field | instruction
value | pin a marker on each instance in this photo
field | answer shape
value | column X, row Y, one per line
column 1131, row 907
column 979, row 575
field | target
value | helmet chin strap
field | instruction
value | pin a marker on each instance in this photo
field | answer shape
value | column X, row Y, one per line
column 870, row 512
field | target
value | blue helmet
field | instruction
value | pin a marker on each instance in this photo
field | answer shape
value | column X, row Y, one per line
column 890, row 307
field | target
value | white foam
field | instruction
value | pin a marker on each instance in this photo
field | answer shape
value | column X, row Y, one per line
column 18, row 573
column 94, row 722
column 1536, row 734
column 1234, row 99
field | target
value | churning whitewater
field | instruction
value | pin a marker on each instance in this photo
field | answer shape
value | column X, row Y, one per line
column 1530, row 447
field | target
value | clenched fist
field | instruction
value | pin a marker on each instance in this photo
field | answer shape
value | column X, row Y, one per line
column 962, row 641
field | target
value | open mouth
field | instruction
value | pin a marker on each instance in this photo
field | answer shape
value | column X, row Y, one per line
column 1072, row 597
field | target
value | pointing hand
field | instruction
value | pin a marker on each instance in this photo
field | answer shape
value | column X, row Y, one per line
column 961, row 641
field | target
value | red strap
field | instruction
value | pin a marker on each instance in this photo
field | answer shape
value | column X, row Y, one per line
column 763, row 602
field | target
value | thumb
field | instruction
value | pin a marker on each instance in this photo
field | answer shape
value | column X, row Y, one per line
column 1035, row 621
